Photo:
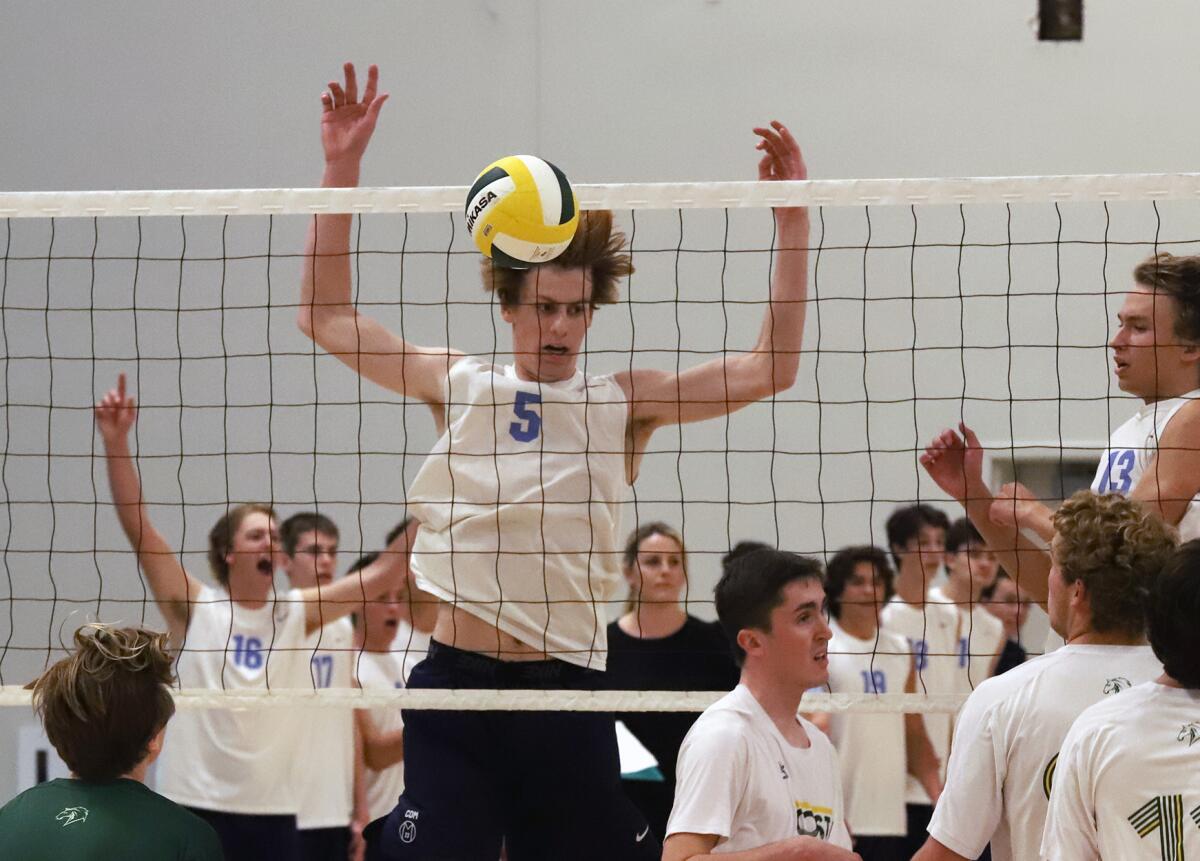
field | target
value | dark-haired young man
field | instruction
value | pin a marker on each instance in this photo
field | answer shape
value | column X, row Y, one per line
column 1107, row 552
column 971, row 568
column 754, row 779
column 518, row 504
column 876, row 751
column 917, row 540
column 328, row 819
column 1127, row 783
column 105, row 709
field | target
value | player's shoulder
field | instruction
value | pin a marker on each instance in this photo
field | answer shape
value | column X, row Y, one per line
column 728, row 718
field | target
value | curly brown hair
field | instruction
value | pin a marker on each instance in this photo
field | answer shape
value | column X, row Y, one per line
column 596, row 248
column 1179, row 278
column 102, row 705
column 1117, row 547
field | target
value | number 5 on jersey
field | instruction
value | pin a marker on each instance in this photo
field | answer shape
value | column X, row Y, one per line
column 529, row 423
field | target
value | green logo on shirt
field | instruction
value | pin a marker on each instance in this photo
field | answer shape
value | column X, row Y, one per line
column 71, row 815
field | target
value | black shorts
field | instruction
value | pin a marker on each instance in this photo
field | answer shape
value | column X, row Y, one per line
column 325, row 844
column 545, row 785
column 250, row 836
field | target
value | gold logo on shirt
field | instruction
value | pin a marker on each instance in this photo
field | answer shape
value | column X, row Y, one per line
column 813, row 820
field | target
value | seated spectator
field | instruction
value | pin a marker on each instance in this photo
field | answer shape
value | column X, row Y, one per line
column 105, row 709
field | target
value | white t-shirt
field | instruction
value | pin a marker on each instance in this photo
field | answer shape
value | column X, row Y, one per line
column 519, row 504
column 237, row 761
column 1007, row 739
column 980, row 639
column 327, row 776
column 411, row 645
column 1131, row 449
column 932, row 635
column 871, row 747
column 383, row 670
column 740, row 779
column 1127, row 784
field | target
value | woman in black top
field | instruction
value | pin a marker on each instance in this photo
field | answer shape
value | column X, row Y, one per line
column 656, row 645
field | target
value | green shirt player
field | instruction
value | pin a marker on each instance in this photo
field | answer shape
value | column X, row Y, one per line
column 105, row 709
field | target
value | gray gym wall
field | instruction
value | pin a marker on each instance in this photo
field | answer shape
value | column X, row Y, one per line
column 223, row 95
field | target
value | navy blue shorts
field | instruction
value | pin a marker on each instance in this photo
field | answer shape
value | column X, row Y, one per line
column 250, row 836
column 545, row 785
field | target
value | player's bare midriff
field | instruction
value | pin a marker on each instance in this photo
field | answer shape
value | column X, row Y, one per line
column 458, row 628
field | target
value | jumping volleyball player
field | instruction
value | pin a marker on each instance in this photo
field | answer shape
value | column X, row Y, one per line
column 518, row 504
column 1154, row 457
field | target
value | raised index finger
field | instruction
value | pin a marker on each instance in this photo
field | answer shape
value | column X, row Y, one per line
column 351, row 84
column 121, row 385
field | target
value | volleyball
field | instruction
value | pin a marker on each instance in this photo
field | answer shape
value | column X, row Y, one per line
column 521, row 210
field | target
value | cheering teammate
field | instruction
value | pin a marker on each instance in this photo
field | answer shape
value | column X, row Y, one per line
column 917, row 539
column 327, row 810
column 233, row 769
column 1153, row 458
column 518, row 505
column 1127, row 784
column 876, row 750
column 1107, row 552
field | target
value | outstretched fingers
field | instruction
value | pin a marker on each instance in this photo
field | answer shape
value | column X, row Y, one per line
column 351, row 83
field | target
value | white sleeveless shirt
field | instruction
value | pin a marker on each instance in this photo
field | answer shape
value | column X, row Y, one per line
column 519, row 506
column 871, row 747
column 227, row 760
column 1131, row 449
column 326, row 780
column 387, row 671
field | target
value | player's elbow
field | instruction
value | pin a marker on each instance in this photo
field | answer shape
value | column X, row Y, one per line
column 306, row 323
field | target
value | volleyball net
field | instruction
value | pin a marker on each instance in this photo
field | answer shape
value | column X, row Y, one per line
column 931, row 302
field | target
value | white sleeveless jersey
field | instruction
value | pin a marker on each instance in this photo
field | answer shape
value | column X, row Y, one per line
column 931, row 632
column 224, row 759
column 1127, row 783
column 384, row 670
column 1131, row 449
column 519, row 506
column 871, row 747
column 1006, row 744
column 980, row 639
column 326, row 780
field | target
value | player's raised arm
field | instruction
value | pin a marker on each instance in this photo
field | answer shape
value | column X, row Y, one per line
column 173, row 588
column 725, row 384
column 955, row 463
column 327, row 313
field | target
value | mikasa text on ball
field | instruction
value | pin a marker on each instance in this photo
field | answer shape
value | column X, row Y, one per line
column 521, row 210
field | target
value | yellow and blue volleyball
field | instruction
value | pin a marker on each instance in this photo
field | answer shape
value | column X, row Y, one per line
column 521, row 210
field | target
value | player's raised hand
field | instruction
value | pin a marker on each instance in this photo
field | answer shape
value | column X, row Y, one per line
column 116, row 413
column 955, row 463
column 782, row 158
column 348, row 121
